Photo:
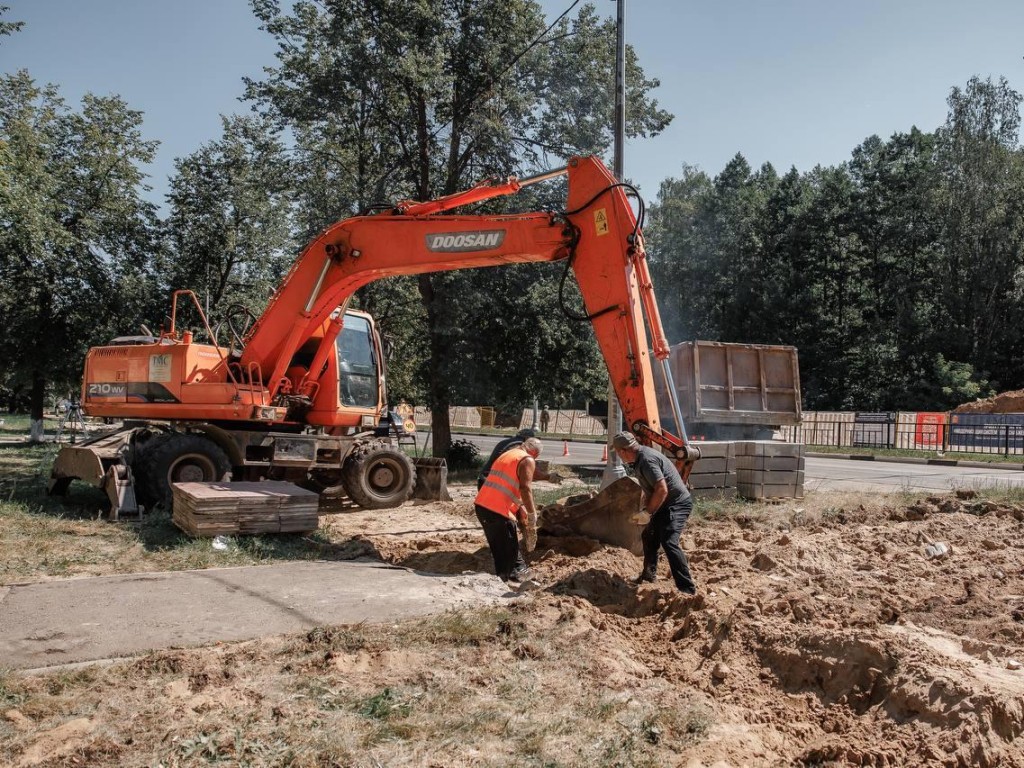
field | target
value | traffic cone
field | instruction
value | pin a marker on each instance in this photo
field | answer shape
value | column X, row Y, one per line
column 604, row 453
column 565, row 447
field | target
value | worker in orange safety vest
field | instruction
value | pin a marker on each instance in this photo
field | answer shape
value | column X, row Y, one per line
column 504, row 499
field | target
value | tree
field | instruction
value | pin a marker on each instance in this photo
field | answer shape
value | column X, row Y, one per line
column 230, row 219
column 8, row 27
column 391, row 100
column 705, row 242
column 983, row 178
column 955, row 383
column 676, row 244
column 75, row 233
column 896, row 274
column 897, row 221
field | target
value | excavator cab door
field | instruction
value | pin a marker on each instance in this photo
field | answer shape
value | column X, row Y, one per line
column 359, row 364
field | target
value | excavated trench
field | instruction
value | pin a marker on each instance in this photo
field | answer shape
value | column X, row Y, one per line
column 851, row 671
column 841, row 636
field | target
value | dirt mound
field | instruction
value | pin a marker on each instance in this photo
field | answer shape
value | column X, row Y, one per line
column 830, row 634
column 826, row 636
column 1004, row 402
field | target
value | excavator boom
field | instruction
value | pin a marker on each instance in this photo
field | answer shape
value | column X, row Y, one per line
column 598, row 233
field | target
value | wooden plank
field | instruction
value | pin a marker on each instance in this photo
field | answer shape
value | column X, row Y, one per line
column 710, row 449
column 728, row 379
column 213, row 509
column 768, row 448
column 764, row 384
column 714, row 480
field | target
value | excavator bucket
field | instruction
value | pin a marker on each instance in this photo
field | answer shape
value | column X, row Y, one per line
column 100, row 462
column 614, row 516
column 431, row 479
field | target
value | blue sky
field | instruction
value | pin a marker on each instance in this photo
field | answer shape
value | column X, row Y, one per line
column 791, row 82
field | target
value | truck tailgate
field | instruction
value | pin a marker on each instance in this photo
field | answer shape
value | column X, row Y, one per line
column 729, row 383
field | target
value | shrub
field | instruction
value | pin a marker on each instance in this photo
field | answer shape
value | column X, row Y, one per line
column 463, row 455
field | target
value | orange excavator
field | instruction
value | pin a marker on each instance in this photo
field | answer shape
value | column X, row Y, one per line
column 299, row 392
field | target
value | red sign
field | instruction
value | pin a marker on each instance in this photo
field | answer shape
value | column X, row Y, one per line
column 928, row 430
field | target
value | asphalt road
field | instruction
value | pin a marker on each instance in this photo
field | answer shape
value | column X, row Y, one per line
column 840, row 474
column 820, row 474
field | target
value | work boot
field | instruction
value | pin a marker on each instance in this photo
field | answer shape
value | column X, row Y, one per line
column 645, row 577
column 519, row 574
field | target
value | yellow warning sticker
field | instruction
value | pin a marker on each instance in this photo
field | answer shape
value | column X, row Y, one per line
column 601, row 221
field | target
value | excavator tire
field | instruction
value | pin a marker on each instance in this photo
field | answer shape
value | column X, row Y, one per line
column 378, row 476
column 174, row 457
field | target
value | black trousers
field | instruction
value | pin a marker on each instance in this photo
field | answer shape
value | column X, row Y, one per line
column 503, row 538
column 663, row 530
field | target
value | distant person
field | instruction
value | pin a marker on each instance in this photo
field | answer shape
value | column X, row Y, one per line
column 509, row 442
column 669, row 504
column 545, row 418
column 506, row 499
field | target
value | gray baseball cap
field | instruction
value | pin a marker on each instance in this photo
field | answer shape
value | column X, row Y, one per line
column 625, row 440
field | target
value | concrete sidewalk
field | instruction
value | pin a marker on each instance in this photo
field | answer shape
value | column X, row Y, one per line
column 72, row 620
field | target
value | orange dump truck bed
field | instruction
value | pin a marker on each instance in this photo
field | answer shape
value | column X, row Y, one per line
column 742, row 385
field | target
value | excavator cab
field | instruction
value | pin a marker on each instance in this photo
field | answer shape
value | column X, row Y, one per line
column 350, row 392
column 359, row 369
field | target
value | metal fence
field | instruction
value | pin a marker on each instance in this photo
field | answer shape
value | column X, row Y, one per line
column 553, row 420
column 1001, row 434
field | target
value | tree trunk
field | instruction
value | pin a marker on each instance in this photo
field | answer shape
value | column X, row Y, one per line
column 440, row 426
column 37, row 405
column 442, row 432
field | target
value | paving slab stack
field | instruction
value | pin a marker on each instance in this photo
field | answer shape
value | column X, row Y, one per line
column 769, row 470
column 229, row 509
column 753, row 469
column 714, row 476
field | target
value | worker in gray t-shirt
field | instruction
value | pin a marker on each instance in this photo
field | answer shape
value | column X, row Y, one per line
column 669, row 504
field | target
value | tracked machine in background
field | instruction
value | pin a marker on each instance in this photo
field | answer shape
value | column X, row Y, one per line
column 299, row 394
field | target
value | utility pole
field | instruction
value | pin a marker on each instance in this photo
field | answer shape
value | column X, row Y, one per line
column 613, row 469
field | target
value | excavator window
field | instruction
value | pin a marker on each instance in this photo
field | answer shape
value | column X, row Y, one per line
column 357, row 364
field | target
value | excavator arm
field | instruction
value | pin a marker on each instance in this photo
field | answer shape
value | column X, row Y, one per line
column 598, row 234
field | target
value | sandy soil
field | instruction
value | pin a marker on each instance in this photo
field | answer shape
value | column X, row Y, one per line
column 830, row 636
column 824, row 634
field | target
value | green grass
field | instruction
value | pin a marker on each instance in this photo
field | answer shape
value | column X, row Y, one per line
column 992, row 458
column 459, row 628
column 15, row 425
column 45, row 536
column 545, row 497
column 999, row 492
column 719, row 509
column 469, row 475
